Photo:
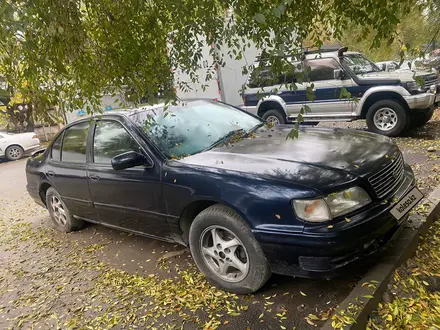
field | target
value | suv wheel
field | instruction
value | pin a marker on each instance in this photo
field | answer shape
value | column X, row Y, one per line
column 60, row 214
column 420, row 119
column 225, row 250
column 275, row 117
column 387, row 117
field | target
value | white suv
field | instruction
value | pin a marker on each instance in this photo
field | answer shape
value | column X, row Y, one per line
column 390, row 101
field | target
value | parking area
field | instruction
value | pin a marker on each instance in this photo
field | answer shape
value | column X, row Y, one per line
column 102, row 278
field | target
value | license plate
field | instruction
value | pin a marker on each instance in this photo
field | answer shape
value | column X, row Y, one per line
column 406, row 203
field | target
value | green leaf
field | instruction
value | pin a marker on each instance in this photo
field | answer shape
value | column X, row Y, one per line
column 260, row 18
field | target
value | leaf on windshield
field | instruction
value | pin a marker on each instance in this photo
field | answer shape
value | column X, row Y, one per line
column 278, row 216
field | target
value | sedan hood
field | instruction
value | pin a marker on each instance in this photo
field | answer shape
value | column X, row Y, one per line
column 318, row 158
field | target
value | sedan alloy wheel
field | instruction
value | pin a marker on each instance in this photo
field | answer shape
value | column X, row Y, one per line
column 14, row 153
column 59, row 213
column 224, row 253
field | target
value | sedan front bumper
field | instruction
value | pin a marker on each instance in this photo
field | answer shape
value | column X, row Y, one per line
column 322, row 251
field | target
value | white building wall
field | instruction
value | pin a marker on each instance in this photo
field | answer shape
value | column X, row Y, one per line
column 203, row 88
column 231, row 77
column 225, row 85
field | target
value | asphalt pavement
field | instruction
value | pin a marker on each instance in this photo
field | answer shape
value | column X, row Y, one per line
column 30, row 251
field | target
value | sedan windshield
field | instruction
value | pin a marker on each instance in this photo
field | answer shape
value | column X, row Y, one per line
column 198, row 125
column 359, row 64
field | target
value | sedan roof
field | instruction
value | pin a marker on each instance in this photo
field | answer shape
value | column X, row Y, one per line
column 129, row 111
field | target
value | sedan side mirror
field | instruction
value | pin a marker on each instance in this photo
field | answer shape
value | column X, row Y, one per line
column 338, row 74
column 129, row 159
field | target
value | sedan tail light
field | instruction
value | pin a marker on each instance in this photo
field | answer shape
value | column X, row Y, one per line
column 35, row 136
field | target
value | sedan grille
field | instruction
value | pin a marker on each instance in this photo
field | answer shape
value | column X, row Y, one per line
column 387, row 179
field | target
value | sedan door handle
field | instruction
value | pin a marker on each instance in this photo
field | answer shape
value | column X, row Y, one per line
column 51, row 173
column 94, row 177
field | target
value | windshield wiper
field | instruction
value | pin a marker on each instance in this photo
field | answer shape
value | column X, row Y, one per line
column 225, row 137
column 253, row 129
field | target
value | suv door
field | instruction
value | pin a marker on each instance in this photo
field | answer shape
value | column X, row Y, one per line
column 294, row 98
column 327, row 89
column 130, row 198
column 67, row 170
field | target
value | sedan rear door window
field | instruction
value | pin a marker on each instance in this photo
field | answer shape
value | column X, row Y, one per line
column 111, row 139
column 75, row 143
column 56, row 148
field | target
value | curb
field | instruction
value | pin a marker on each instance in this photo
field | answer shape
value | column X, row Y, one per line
column 367, row 294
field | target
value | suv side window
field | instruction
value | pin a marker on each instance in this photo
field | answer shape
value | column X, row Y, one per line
column 75, row 143
column 262, row 77
column 56, row 148
column 322, row 69
column 111, row 139
column 291, row 75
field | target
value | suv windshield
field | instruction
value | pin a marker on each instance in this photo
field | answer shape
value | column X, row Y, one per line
column 359, row 64
column 198, row 125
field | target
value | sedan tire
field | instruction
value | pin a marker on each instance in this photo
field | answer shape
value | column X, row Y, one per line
column 225, row 250
column 60, row 214
column 14, row 153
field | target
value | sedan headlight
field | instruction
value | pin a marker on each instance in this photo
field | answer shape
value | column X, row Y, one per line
column 334, row 205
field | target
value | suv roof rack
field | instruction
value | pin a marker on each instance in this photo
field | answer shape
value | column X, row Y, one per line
column 312, row 50
column 326, row 49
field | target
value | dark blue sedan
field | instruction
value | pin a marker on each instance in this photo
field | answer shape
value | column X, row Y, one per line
column 248, row 201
